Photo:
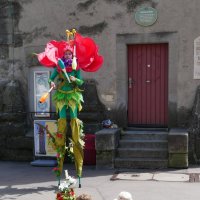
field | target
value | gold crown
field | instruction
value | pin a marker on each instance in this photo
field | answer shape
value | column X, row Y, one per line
column 70, row 34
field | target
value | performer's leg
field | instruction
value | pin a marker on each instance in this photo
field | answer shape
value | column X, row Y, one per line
column 60, row 141
column 76, row 127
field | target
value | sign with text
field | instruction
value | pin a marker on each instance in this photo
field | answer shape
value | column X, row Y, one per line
column 197, row 58
column 146, row 16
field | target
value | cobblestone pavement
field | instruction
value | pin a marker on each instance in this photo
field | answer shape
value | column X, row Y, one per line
column 21, row 181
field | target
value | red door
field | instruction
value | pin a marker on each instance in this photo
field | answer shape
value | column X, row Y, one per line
column 148, row 85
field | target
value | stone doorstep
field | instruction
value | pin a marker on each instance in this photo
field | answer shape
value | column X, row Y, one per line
column 157, row 176
column 143, row 143
column 142, row 153
column 144, row 135
column 140, row 163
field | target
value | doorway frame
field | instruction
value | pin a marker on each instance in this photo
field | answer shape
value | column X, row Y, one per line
column 122, row 40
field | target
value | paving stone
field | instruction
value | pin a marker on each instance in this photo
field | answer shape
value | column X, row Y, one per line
column 171, row 177
column 135, row 176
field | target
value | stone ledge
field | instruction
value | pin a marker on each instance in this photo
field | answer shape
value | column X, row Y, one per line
column 178, row 141
column 107, row 139
column 106, row 142
column 178, row 160
column 105, row 159
column 178, row 148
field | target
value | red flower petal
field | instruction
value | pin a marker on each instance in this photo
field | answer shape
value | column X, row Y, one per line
column 58, row 195
column 59, row 135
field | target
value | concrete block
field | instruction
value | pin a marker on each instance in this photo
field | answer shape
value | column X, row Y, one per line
column 106, row 142
column 105, row 159
column 178, row 141
column 107, row 139
column 178, row 160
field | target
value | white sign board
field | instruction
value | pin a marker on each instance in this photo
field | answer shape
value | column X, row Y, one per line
column 197, row 58
column 41, row 86
column 42, row 144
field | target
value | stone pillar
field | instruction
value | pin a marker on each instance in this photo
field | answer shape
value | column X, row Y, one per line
column 178, row 148
column 106, row 142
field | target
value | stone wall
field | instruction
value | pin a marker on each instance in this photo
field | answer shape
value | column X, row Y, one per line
column 104, row 21
column 14, row 143
column 194, row 131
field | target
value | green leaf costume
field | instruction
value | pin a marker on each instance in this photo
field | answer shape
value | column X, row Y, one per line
column 68, row 97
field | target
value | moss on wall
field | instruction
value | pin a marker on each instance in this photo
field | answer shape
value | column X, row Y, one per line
column 132, row 4
column 85, row 5
column 114, row 1
column 35, row 33
column 93, row 30
column 17, row 8
column 184, row 115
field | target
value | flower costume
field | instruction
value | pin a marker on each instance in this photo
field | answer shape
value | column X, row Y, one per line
column 68, row 96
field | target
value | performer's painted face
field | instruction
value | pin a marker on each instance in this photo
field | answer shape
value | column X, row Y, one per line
column 68, row 55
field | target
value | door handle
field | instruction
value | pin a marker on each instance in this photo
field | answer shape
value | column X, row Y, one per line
column 130, row 81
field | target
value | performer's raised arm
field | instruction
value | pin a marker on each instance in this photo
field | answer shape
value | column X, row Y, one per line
column 52, row 77
column 77, row 78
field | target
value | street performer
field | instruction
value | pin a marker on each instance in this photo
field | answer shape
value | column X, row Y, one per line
column 61, row 56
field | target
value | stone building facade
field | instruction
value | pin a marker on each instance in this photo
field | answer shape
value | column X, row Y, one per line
column 26, row 26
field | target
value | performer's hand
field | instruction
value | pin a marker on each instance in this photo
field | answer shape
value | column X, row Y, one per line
column 53, row 84
column 72, row 78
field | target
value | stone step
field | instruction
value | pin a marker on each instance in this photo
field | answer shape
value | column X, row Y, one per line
column 16, row 154
column 143, row 144
column 144, row 135
column 146, row 129
column 10, row 129
column 142, row 163
column 20, row 143
column 142, row 153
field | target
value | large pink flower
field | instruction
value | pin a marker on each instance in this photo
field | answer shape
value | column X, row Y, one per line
column 86, row 52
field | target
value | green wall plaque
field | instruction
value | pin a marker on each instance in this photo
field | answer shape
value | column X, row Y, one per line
column 146, row 16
